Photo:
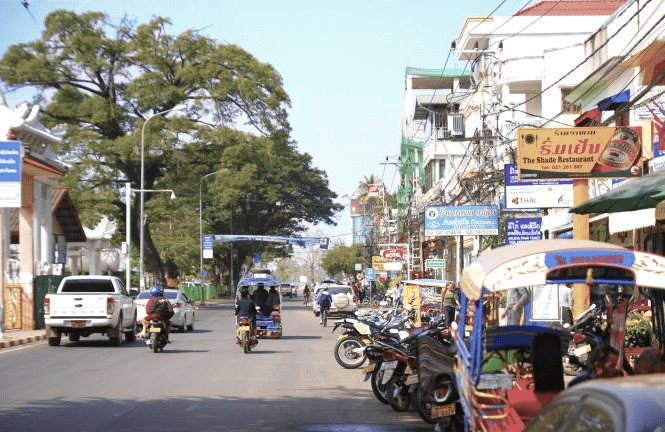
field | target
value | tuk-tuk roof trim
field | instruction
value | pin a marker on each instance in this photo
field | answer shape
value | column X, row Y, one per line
column 528, row 264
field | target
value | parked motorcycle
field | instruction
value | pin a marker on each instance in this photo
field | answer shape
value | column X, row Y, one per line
column 361, row 331
column 245, row 334
column 157, row 335
column 586, row 333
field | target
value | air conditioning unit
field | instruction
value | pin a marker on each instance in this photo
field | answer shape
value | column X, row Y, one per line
column 456, row 124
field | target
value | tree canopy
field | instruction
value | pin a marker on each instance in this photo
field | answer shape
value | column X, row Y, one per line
column 106, row 80
column 342, row 259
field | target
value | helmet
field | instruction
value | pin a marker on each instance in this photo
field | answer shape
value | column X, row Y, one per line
column 156, row 290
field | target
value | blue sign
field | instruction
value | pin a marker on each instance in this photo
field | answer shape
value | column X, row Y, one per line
column 10, row 174
column 616, row 258
column 461, row 220
column 370, row 274
column 523, row 229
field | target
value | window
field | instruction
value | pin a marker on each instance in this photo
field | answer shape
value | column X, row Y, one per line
column 567, row 107
column 88, row 286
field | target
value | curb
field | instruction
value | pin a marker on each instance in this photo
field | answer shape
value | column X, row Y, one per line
column 21, row 341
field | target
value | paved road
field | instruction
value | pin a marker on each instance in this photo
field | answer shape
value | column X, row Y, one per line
column 201, row 382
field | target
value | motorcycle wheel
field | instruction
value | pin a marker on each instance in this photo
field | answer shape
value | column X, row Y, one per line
column 424, row 401
column 398, row 396
column 375, row 304
column 345, row 355
column 153, row 343
column 378, row 388
column 245, row 342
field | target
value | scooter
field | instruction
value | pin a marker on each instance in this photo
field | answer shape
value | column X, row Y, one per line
column 245, row 334
column 157, row 335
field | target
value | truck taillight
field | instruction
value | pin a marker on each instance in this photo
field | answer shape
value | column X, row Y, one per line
column 110, row 305
column 47, row 306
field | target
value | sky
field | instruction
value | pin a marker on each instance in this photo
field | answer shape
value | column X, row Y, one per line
column 342, row 62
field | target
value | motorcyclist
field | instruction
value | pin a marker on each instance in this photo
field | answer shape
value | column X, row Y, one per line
column 324, row 301
column 159, row 308
column 246, row 308
column 305, row 294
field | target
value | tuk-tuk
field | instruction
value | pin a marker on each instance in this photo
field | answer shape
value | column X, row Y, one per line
column 268, row 323
column 505, row 374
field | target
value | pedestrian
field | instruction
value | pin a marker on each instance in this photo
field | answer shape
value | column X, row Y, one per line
column 448, row 303
column 566, row 302
column 517, row 298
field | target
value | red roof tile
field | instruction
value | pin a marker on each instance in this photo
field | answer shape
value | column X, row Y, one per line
column 572, row 8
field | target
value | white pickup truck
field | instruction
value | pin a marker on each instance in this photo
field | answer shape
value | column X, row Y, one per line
column 84, row 305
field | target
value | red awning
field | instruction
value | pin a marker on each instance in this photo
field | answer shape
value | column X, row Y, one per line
column 589, row 118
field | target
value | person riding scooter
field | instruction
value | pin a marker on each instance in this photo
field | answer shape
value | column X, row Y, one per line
column 246, row 308
column 158, row 308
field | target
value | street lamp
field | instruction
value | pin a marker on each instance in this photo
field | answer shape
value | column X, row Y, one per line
column 142, row 224
column 128, row 219
column 201, row 234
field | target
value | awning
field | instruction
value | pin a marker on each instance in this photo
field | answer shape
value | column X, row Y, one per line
column 613, row 102
column 628, row 221
column 589, row 118
column 594, row 87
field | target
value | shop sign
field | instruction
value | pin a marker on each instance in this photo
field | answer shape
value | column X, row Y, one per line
column 523, row 229
column 536, row 193
column 568, row 153
column 461, row 220
column 392, row 254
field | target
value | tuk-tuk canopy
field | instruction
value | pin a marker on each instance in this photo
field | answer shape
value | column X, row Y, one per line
column 539, row 262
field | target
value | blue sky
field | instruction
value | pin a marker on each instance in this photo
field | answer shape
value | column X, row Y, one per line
column 342, row 62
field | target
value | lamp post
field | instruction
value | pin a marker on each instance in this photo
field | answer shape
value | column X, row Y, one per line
column 142, row 223
column 128, row 235
column 201, row 234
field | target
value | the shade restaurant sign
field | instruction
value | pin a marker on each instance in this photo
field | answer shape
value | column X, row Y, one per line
column 579, row 152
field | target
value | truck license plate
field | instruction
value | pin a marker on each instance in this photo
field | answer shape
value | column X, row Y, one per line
column 78, row 323
column 443, row 410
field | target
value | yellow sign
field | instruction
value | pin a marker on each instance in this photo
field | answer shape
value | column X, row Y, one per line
column 564, row 153
column 411, row 296
column 377, row 263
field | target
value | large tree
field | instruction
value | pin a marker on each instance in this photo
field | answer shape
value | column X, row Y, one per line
column 105, row 80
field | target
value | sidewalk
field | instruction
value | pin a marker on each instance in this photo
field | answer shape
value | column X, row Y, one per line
column 12, row 338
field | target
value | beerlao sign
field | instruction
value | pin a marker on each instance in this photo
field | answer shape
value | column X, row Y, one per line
column 564, row 153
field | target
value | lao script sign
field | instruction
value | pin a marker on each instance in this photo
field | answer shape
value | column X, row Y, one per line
column 461, row 220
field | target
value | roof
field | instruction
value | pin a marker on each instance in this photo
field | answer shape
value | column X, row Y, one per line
column 572, row 8
column 65, row 212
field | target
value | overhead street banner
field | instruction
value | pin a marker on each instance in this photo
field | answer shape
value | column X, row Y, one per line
column 536, row 193
column 10, row 174
column 461, row 220
column 209, row 239
column 569, row 153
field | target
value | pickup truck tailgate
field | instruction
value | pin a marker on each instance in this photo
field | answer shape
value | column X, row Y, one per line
column 78, row 305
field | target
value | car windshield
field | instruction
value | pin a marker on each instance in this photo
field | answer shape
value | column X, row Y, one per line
column 334, row 290
column 167, row 294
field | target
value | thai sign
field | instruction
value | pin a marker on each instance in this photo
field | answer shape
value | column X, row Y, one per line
column 536, row 193
column 10, row 174
column 461, row 220
column 523, row 229
column 579, row 152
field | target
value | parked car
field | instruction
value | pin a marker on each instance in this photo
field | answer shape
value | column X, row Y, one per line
column 183, row 316
column 343, row 301
column 286, row 290
column 625, row 404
